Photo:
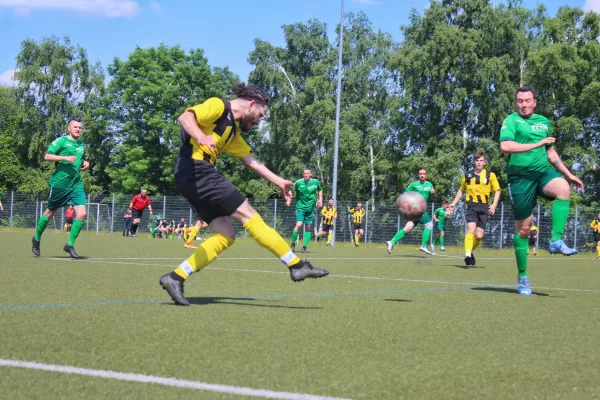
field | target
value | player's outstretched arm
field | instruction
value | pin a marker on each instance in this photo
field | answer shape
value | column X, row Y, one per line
column 457, row 198
column 259, row 169
column 494, row 205
column 512, row 147
column 557, row 163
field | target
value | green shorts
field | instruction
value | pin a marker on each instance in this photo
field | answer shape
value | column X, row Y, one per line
column 306, row 217
column 524, row 191
column 440, row 227
column 424, row 219
column 60, row 197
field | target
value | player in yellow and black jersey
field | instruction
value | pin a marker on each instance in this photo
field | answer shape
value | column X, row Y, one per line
column 207, row 130
column 329, row 213
column 595, row 225
column 477, row 184
column 534, row 231
column 358, row 215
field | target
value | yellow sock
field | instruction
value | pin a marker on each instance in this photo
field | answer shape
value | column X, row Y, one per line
column 331, row 235
column 192, row 235
column 204, row 255
column 268, row 238
column 476, row 244
column 356, row 239
column 469, row 239
column 598, row 250
column 321, row 234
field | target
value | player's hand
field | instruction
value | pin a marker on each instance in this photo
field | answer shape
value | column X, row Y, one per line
column 546, row 141
column 576, row 181
column 492, row 209
column 85, row 165
column 285, row 188
column 206, row 140
column 70, row 159
column 432, row 191
column 319, row 203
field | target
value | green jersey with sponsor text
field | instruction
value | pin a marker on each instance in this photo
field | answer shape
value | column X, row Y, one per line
column 306, row 194
column 526, row 131
column 440, row 213
column 67, row 174
column 424, row 189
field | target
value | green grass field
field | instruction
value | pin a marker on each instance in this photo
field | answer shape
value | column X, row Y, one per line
column 406, row 326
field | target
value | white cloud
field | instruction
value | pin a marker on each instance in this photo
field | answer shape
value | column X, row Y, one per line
column 592, row 5
column 368, row 2
column 6, row 78
column 155, row 6
column 104, row 8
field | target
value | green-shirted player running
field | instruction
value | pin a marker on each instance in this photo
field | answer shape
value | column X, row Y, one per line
column 306, row 191
column 526, row 138
column 66, row 185
column 425, row 189
column 439, row 216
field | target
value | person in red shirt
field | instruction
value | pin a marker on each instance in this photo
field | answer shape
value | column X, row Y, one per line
column 69, row 214
column 137, row 205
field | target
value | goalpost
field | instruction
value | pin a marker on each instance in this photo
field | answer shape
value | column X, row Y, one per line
column 99, row 212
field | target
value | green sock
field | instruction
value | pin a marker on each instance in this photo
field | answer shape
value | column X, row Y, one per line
column 75, row 229
column 41, row 227
column 521, row 246
column 307, row 236
column 435, row 241
column 294, row 236
column 398, row 236
column 560, row 213
column 426, row 236
column 442, row 241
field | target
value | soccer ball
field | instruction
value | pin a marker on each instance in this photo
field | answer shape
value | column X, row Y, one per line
column 411, row 206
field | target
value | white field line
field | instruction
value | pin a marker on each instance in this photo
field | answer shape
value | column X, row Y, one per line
column 158, row 380
column 484, row 284
column 335, row 258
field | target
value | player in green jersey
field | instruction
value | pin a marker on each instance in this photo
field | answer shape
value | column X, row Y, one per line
column 425, row 189
column 439, row 216
column 66, row 185
column 307, row 191
column 526, row 138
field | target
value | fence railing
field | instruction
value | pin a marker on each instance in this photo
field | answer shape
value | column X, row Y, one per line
column 105, row 214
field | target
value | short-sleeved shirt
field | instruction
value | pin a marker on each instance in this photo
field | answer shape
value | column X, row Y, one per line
column 424, row 189
column 69, row 213
column 139, row 202
column 215, row 118
column 526, row 131
column 67, row 174
column 533, row 231
column 306, row 193
column 358, row 215
column 328, row 214
column 440, row 213
column 479, row 186
column 595, row 225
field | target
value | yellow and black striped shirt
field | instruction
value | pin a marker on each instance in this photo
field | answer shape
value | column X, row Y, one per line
column 328, row 214
column 533, row 232
column 357, row 215
column 478, row 187
column 595, row 225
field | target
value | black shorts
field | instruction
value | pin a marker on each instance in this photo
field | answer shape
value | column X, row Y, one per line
column 357, row 226
column 69, row 221
column 596, row 237
column 532, row 241
column 210, row 194
column 478, row 213
column 136, row 214
column 327, row 227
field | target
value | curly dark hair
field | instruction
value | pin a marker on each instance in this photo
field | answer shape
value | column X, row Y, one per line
column 250, row 92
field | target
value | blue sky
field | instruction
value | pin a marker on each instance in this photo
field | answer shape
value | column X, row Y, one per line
column 225, row 30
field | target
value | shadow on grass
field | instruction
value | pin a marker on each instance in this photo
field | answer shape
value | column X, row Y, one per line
column 399, row 300
column 466, row 266
column 69, row 258
column 508, row 290
column 239, row 301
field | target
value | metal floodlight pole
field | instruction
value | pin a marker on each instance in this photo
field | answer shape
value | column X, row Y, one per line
column 337, row 118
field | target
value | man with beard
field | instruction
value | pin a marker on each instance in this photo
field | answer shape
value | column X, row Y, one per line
column 209, row 129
